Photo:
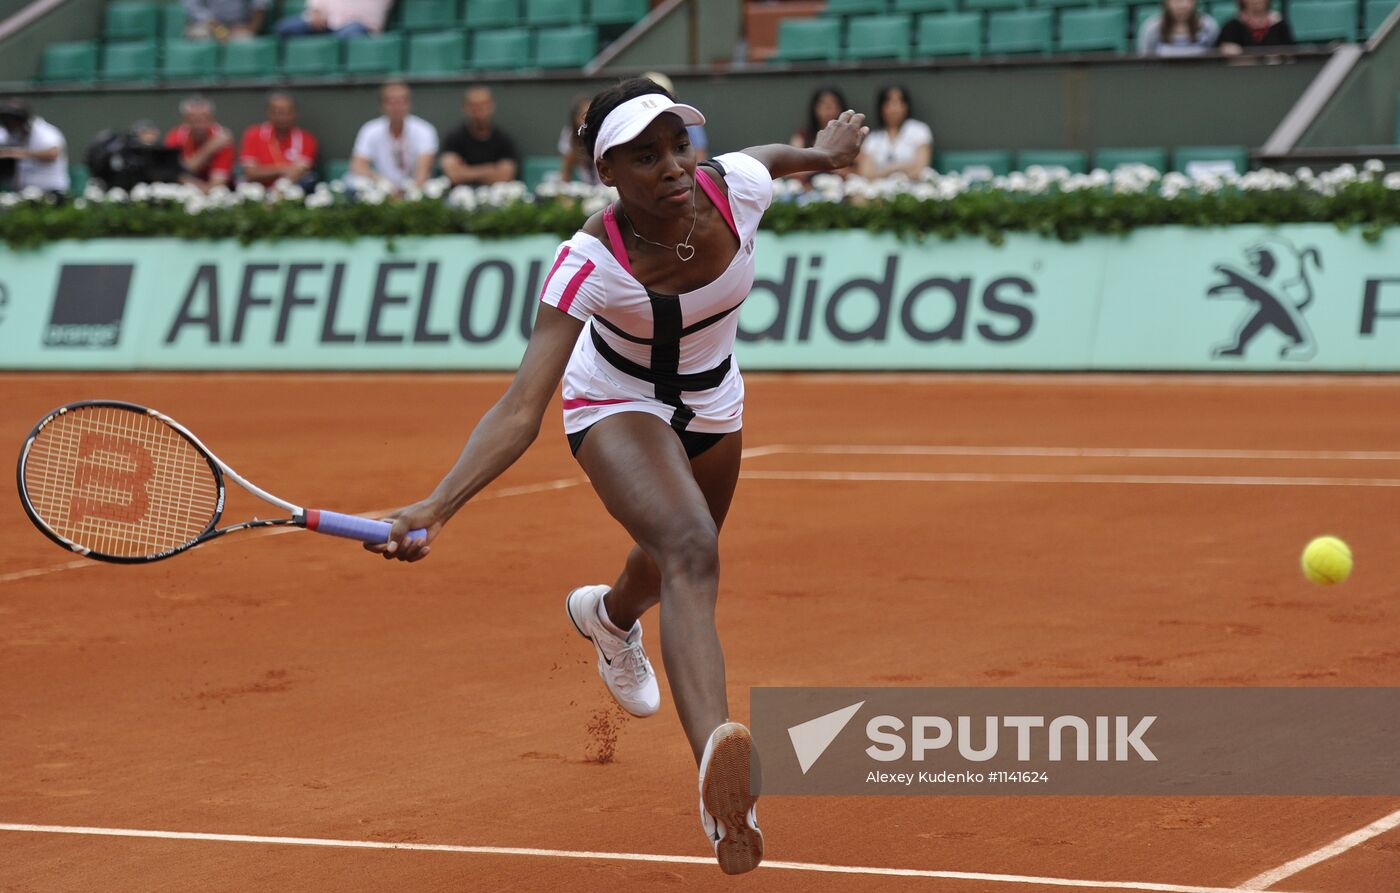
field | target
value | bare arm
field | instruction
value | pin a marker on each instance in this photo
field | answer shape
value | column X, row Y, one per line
column 360, row 166
column 834, row 148
column 501, row 437
column 459, row 172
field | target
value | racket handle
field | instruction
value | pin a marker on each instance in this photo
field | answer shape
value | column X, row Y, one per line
column 366, row 530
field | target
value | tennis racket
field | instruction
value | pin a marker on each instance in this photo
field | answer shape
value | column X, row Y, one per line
column 119, row 482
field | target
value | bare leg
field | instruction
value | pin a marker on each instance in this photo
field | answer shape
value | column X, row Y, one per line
column 641, row 472
column 638, row 587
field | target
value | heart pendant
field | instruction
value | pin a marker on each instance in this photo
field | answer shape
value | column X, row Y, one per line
column 685, row 252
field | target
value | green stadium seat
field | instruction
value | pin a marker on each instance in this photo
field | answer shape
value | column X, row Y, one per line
column 568, row 47
column 537, row 169
column 989, row 5
column 311, row 56
column 336, row 168
column 617, row 12
column 1057, row 4
column 1022, row 31
column 802, row 40
column 855, row 7
column 190, row 60
column 251, row 59
column 1222, row 11
column 131, row 20
column 879, row 37
column 954, row 34
column 553, row 12
column 1376, row 12
column 1082, row 30
column 78, row 176
column 437, row 54
column 69, row 62
column 131, row 60
column 1397, row 120
column 494, row 14
column 377, row 54
column 1112, row 159
column 923, row 6
column 429, row 15
column 1075, row 162
column 501, row 50
column 294, row 8
column 1318, row 21
column 172, row 21
column 1185, row 156
column 997, row 161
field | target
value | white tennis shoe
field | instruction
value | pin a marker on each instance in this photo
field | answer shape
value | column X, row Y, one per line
column 727, row 799
column 621, row 661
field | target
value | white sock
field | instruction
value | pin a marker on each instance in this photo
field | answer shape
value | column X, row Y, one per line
column 607, row 621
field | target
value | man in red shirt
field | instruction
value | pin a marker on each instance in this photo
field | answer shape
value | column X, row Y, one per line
column 278, row 149
column 206, row 147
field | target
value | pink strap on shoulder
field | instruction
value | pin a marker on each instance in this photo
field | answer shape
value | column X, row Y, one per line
column 718, row 197
column 619, row 250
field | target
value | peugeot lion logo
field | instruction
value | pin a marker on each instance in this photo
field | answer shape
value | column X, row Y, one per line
column 1276, row 285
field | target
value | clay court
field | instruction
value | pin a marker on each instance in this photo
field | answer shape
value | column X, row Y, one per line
column 888, row 530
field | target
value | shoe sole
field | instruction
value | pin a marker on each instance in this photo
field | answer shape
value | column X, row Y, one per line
column 569, row 609
column 728, row 798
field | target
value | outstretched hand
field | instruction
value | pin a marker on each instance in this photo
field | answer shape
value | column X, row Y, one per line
column 841, row 138
column 423, row 515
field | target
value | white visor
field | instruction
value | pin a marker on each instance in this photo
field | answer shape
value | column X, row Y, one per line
column 624, row 123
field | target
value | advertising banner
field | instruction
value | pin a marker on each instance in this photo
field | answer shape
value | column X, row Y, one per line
column 1304, row 298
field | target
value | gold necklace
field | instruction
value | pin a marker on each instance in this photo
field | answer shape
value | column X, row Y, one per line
column 689, row 252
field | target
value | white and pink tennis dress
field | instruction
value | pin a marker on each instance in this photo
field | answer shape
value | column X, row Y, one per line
column 642, row 351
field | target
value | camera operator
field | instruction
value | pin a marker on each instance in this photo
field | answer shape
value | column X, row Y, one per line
column 36, row 146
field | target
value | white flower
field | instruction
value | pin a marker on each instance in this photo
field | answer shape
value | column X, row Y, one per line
column 1373, row 166
column 411, row 193
column 195, row 204
column 80, row 203
column 8, row 199
column 463, row 197
column 320, row 199
column 141, row 192
column 1392, row 181
column 116, row 195
column 253, row 192
column 94, row 193
column 31, row 193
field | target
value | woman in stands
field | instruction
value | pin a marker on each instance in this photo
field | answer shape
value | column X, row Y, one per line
column 1178, row 29
column 900, row 145
column 639, row 319
column 574, row 160
column 826, row 106
column 1254, row 25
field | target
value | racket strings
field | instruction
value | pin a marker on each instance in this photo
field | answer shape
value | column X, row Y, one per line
column 119, row 482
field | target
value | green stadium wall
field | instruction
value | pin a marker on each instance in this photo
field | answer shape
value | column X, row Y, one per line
column 1038, row 106
column 1166, row 298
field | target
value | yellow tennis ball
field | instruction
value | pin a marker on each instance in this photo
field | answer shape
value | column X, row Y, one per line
column 1327, row 560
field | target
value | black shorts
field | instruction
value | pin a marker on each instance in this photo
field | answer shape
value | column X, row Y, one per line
column 694, row 442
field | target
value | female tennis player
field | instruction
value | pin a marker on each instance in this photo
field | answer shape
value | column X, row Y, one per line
column 639, row 318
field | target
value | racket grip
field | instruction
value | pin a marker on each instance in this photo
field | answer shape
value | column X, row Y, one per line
column 366, row 530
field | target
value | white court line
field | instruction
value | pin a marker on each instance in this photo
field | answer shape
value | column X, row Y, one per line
column 978, row 478
column 618, row 857
column 1335, row 848
column 1068, row 452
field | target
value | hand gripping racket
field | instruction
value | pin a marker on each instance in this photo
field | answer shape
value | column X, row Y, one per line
column 119, row 482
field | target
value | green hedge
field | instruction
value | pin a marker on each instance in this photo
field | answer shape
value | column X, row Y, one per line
column 1370, row 204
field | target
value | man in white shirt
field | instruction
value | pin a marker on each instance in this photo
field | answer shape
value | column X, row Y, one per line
column 38, row 147
column 398, row 147
column 343, row 18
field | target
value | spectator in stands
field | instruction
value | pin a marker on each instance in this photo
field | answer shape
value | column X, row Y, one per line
column 36, row 146
column 1254, row 25
column 277, row 149
column 1179, row 29
column 397, row 146
column 699, row 140
column 146, row 132
column 898, row 144
column 826, row 105
column 206, row 147
column 343, row 18
column 224, row 19
column 477, row 152
column 574, row 160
